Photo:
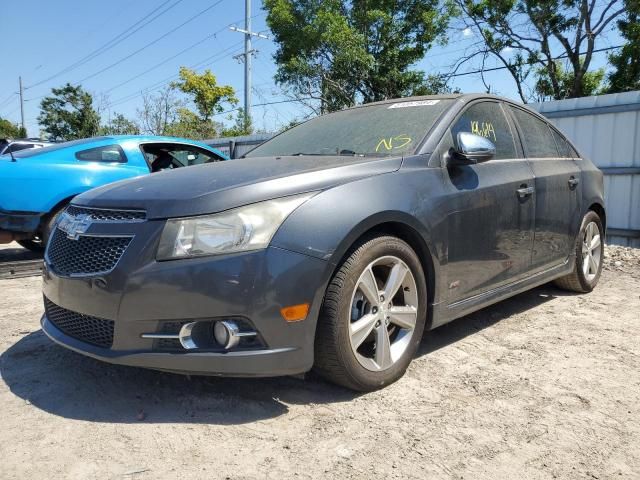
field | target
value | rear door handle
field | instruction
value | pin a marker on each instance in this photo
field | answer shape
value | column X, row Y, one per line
column 573, row 182
column 525, row 191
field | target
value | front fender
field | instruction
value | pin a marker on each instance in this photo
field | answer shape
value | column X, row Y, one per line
column 328, row 224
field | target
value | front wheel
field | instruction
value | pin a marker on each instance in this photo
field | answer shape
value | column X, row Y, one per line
column 589, row 251
column 373, row 315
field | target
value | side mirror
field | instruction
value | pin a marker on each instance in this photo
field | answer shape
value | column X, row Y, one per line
column 472, row 149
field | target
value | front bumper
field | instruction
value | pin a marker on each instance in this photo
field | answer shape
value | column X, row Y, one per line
column 141, row 295
column 27, row 222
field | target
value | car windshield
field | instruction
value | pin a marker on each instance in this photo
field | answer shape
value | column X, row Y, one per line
column 376, row 130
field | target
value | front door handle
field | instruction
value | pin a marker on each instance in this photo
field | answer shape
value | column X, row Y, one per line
column 573, row 182
column 525, row 191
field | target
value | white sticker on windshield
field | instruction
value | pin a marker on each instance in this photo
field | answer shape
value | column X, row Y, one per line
column 418, row 103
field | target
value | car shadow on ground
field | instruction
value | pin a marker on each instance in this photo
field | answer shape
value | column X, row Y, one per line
column 15, row 253
column 70, row 385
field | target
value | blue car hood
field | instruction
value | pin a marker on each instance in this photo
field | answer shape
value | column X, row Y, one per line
column 220, row 186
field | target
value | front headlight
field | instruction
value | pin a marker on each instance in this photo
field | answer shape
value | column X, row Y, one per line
column 238, row 230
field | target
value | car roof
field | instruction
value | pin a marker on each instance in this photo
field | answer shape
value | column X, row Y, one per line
column 119, row 139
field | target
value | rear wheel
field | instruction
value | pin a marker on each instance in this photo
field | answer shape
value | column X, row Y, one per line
column 373, row 315
column 39, row 243
column 35, row 245
column 589, row 250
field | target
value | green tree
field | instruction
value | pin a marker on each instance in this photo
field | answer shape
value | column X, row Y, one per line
column 344, row 52
column 69, row 114
column 189, row 125
column 626, row 63
column 592, row 82
column 120, row 125
column 10, row 130
column 241, row 126
column 208, row 97
column 528, row 37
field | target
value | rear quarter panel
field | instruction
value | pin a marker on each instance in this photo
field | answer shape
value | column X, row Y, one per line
column 39, row 183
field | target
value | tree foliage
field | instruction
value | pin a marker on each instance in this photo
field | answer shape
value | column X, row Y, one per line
column 158, row 111
column 203, row 89
column 68, row 114
column 529, row 36
column 11, row 130
column 120, row 125
column 189, row 125
column 592, row 82
column 345, row 52
column 626, row 63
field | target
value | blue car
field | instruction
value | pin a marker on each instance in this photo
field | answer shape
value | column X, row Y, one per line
column 36, row 185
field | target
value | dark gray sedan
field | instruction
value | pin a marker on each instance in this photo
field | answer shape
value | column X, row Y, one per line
column 332, row 246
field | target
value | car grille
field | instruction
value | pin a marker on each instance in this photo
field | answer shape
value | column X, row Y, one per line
column 85, row 328
column 99, row 215
column 86, row 255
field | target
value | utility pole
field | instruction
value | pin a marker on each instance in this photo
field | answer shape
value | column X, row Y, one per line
column 246, row 57
column 22, row 105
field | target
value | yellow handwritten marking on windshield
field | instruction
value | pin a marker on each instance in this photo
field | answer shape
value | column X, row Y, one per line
column 484, row 129
column 394, row 143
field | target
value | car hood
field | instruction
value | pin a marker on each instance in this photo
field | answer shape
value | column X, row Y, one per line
column 220, row 186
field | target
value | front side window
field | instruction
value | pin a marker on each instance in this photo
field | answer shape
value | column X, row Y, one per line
column 537, row 136
column 163, row 156
column 106, row 154
column 488, row 120
column 387, row 129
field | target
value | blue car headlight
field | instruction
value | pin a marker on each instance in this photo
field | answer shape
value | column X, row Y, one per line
column 238, row 230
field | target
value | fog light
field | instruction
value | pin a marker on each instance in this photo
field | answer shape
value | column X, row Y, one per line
column 226, row 333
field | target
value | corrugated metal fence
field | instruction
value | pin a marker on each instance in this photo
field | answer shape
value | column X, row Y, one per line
column 606, row 129
column 235, row 147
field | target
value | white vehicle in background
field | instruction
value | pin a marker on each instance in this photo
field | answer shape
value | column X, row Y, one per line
column 11, row 146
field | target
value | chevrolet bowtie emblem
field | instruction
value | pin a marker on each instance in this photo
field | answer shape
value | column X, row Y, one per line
column 74, row 226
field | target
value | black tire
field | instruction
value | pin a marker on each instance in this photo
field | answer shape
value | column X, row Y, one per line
column 335, row 359
column 39, row 243
column 577, row 281
column 34, row 245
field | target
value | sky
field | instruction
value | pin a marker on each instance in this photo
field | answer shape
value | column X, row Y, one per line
column 49, row 43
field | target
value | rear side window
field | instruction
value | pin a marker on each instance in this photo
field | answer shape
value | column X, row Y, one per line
column 537, row 136
column 564, row 150
column 107, row 154
column 16, row 147
column 488, row 120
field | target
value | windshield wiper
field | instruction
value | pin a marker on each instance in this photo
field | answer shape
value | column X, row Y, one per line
column 304, row 154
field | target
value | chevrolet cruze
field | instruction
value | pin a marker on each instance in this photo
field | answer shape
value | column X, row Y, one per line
column 332, row 246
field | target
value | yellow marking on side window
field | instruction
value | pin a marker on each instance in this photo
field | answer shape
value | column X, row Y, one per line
column 484, row 129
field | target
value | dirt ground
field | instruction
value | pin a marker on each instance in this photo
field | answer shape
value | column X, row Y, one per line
column 544, row 385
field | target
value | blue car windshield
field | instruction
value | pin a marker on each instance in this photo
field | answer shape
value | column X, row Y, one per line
column 371, row 130
column 52, row 148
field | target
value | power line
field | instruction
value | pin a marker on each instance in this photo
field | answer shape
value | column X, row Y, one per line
column 484, row 70
column 153, row 42
column 6, row 101
column 113, row 42
column 159, row 64
column 207, row 61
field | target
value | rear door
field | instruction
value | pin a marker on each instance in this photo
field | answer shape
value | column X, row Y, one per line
column 489, row 225
column 557, row 190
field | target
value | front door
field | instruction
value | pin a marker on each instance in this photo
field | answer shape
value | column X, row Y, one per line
column 557, row 195
column 490, row 225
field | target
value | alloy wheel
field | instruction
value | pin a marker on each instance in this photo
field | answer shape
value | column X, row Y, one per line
column 591, row 251
column 383, row 315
